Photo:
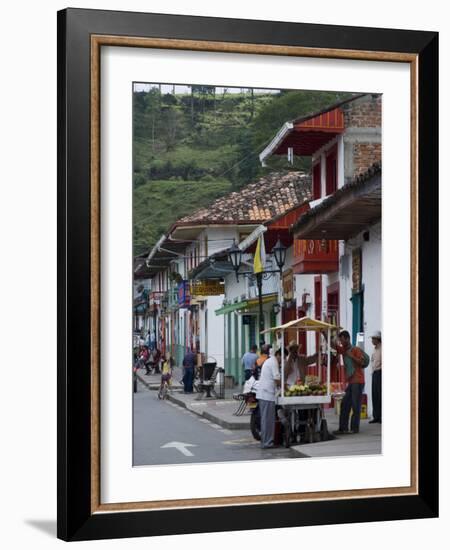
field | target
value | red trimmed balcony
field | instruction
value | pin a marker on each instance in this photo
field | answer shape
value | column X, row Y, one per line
column 316, row 256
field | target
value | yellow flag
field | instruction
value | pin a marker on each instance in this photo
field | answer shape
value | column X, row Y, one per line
column 259, row 262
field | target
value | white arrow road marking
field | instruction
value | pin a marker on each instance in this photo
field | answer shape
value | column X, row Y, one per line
column 180, row 447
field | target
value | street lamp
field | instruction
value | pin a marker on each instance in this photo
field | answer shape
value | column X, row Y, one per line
column 235, row 255
column 279, row 251
column 235, row 258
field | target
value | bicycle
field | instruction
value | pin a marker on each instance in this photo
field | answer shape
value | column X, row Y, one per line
column 164, row 387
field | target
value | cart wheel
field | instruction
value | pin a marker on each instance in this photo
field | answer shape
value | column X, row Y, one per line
column 287, row 435
column 324, row 430
column 255, row 425
column 310, row 432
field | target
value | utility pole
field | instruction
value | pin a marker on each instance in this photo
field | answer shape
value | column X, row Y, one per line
column 260, row 303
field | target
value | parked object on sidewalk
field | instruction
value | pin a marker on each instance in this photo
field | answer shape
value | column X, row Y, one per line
column 301, row 406
column 213, row 387
column 246, row 399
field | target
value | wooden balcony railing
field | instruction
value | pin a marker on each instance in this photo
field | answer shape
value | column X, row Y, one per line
column 316, row 256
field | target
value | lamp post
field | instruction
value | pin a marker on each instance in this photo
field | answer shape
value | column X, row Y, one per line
column 235, row 256
column 279, row 252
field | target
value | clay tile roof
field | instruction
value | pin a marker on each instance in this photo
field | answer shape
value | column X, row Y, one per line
column 260, row 201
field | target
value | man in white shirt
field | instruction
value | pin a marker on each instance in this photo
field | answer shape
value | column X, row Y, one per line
column 376, row 377
column 269, row 381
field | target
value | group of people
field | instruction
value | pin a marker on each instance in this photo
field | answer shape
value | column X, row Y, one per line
column 153, row 362
column 149, row 359
column 266, row 369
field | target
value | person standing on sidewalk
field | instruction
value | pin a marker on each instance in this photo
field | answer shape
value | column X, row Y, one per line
column 355, row 360
column 189, row 362
column 248, row 362
column 269, row 381
column 376, row 378
column 263, row 356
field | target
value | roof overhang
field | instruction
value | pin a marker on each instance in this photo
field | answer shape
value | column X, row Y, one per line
column 162, row 254
column 343, row 215
column 281, row 135
column 306, row 135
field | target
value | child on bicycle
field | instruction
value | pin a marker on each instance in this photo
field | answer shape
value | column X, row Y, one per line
column 166, row 371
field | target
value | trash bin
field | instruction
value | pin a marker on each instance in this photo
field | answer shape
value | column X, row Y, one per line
column 208, row 369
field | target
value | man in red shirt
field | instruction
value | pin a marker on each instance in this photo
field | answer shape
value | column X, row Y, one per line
column 354, row 371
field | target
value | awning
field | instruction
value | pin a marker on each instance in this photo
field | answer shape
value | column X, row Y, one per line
column 304, row 323
column 350, row 210
column 246, row 304
column 306, row 135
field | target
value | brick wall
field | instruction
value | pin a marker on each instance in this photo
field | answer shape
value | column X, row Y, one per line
column 364, row 112
column 364, row 155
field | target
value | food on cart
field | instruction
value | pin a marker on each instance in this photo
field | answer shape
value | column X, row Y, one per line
column 305, row 390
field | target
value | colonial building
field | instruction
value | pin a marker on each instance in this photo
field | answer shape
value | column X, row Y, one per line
column 267, row 207
column 337, row 242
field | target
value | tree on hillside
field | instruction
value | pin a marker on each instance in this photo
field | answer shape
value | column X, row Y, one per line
column 172, row 124
column 289, row 105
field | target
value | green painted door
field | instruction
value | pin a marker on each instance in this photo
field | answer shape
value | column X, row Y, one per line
column 357, row 314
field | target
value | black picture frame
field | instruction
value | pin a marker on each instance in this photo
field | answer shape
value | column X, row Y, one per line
column 76, row 520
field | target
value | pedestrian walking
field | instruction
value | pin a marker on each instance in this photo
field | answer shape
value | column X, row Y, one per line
column 189, row 362
column 269, row 381
column 355, row 360
column 376, row 378
column 248, row 362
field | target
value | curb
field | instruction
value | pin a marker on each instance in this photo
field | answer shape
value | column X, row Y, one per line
column 225, row 423
column 209, row 416
column 152, row 386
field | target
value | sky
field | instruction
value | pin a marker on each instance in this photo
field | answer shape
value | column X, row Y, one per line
column 184, row 89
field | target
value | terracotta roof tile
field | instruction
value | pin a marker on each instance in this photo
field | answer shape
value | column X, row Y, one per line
column 259, row 201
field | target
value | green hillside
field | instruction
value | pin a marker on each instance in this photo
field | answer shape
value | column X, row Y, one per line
column 158, row 204
column 189, row 149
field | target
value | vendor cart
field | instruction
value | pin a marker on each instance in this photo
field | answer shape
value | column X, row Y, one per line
column 302, row 416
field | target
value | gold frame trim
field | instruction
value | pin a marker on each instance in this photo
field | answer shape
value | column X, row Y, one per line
column 97, row 41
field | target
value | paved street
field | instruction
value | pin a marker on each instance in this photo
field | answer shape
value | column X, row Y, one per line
column 165, row 433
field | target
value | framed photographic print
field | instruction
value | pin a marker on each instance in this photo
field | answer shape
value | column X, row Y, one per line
column 247, row 240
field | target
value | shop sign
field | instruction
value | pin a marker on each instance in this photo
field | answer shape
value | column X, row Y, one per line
column 184, row 296
column 288, row 284
column 207, row 288
column 356, row 270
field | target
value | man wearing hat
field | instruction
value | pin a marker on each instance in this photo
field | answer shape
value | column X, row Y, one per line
column 296, row 364
column 376, row 377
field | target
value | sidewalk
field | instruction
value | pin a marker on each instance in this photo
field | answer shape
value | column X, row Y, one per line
column 366, row 442
column 220, row 411
column 153, row 381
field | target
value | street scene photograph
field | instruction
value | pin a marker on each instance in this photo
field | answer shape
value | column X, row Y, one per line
column 257, row 274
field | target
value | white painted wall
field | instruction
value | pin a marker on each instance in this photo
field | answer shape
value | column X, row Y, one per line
column 371, row 279
column 219, row 238
column 213, row 331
